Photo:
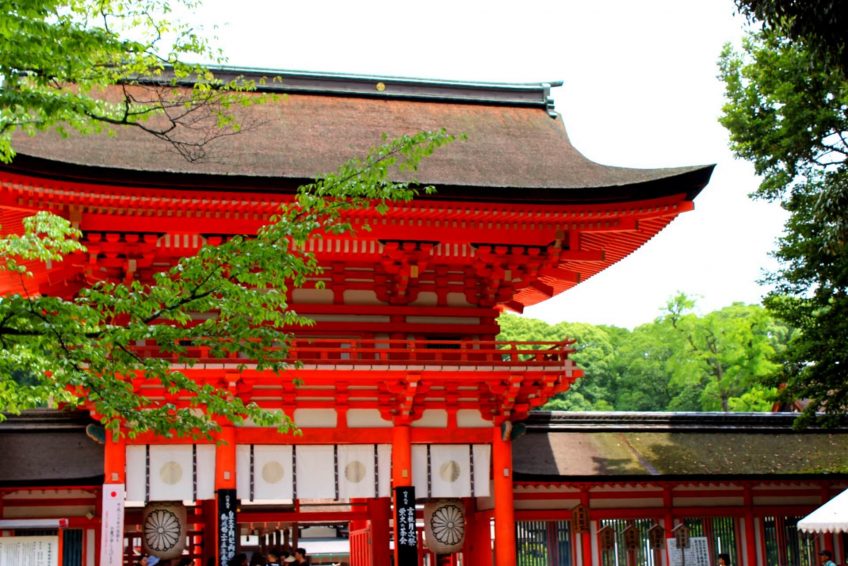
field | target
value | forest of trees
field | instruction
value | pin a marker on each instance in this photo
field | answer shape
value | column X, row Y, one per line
column 726, row 360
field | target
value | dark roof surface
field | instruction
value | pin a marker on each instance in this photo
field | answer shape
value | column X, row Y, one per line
column 47, row 447
column 512, row 139
column 627, row 446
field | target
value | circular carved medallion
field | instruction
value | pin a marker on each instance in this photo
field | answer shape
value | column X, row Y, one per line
column 447, row 524
column 162, row 530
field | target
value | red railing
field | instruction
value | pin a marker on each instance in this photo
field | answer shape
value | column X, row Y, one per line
column 355, row 351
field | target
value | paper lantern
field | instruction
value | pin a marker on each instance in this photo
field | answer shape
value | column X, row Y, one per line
column 444, row 524
column 164, row 529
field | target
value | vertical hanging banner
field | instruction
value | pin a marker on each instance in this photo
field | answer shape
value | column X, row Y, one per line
column 407, row 541
column 227, row 526
column 112, row 525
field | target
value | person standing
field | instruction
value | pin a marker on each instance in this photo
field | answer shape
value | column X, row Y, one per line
column 826, row 558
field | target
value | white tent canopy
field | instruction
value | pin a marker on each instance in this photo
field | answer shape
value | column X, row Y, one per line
column 832, row 517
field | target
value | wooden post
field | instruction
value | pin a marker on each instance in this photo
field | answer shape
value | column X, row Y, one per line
column 225, row 480
column 750, row 536
column 401, row 471
column 379, row 510
column 225, row 459
column 114, row 460
column 505, row 553
column 586, row 535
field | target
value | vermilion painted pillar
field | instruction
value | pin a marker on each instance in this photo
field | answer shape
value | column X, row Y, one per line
column 380, row 512
column 112, row 494
column 469, row 549
column 750, row 536
column 586, row 536
column 504, row 504
column 225, row 479
column 225, row 459
column 114, row 460
column 401, row 471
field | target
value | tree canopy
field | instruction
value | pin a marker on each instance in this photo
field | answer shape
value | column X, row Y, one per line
column 819, row 24
column 787, row 113
column 57, row 56
column 725, row 360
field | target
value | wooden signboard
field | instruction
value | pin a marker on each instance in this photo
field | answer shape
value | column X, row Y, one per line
column 227, row 526
column 407, row 542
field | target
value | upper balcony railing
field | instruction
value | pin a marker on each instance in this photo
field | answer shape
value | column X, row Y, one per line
column 417, row 352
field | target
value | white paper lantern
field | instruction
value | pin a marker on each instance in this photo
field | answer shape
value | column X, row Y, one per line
column 164, row 529
column 444, row 524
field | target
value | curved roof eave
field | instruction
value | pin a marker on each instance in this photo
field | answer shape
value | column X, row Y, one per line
column 683, row 180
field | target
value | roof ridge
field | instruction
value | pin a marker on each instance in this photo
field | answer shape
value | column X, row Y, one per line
column 377, row 86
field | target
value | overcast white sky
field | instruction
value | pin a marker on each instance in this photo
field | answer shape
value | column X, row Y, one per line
column 640, row 91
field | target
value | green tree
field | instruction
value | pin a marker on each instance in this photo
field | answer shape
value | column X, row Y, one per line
column 645, row 359
column 57, row 56
column 729, row 354
column 819, row 24
column 595, row 353
column 787, row 113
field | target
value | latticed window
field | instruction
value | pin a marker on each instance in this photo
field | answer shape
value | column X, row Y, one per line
column 622, row 543
column 543, row 543
column 785, row 544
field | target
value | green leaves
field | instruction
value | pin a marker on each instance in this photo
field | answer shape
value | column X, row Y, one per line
column 787, row 113
column 58, row 56
column 725, row 360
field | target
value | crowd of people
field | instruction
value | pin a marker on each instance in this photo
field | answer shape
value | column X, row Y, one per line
column 278, row 556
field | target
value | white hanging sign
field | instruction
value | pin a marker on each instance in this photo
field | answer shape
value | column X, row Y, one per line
column 112, row 529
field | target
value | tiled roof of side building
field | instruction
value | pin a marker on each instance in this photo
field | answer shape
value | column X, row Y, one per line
column 515, row 140
column 632, row 446
column 50, row 447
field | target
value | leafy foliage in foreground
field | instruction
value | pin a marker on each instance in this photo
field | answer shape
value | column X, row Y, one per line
column 58, row 56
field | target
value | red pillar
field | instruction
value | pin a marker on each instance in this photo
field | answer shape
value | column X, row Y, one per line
column 114, row 472
column 114, row 460
column 504, row 504
column 586, row 536
column 750, row 537
column 225, row 476
column 401, row 468
column 471, row 550
column 379, row 509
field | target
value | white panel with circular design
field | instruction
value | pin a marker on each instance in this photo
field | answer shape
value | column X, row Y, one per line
column 171, row 473
column 356, row 471
column 450, row 470
column 272, row 472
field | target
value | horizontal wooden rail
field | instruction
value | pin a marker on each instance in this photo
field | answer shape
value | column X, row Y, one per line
column 354, row 351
